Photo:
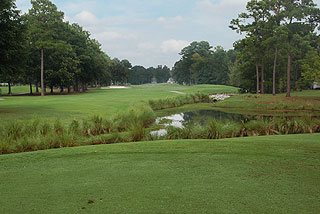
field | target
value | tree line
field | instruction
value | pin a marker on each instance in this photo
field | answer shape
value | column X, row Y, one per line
column 281, row 48
column 141, row 75
column 280, row 51
column 41, row 44
column 200, row 64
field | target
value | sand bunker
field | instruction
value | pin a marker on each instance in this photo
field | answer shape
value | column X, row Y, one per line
column 1, row 99
column 177, row 92
column 114, row 87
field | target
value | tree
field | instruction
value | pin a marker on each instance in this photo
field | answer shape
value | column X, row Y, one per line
column 254, row 24
column 299, row 19
column 139, row 75
column 272, row 27
column 161, row 73
column 120, row 71
column 183, row 71
column 311, row 67
column 44, row 20
column 12, row 42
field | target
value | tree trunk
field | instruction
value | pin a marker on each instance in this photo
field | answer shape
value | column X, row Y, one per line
column 257, row 70
column 37, row 87
column 31, row 88
column 288, row 76
column 274, row 73
column 83, row 87
column 9, row 88
column 69, row 89
column 51, row 88
column 295, row 76
column 42, row 64
column 61, row 89
column 76, row 86
column 262, row 75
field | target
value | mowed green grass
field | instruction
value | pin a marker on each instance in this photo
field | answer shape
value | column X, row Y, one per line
column 271, row 174
column 104, row 102
column 16, row 89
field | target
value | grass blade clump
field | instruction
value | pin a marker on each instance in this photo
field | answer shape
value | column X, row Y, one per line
column 179, row 101
column 214, row 129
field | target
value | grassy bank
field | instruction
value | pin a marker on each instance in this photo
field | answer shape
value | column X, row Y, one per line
column 269, row 104
column 135, row 124
column 273, row 174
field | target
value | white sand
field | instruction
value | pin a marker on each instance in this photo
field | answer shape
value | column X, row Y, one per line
column 177, row 92
column 114, row 87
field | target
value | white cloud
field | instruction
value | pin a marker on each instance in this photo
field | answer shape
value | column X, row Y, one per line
column 170, row 20
column 146, row 46
column 23, row 6
column 213, row 18
column 173, row 45
column 86, row 18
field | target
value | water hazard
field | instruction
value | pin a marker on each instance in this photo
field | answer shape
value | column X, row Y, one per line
column 200, row 117
column 180, row 120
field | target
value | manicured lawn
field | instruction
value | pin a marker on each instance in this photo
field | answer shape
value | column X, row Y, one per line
column 96, row 101
column 273, row 174
column 16, row 89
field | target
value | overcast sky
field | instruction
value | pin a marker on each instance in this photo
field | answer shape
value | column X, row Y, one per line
column 152, row 32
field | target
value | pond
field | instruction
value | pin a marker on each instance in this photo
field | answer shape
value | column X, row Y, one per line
column 180, row 120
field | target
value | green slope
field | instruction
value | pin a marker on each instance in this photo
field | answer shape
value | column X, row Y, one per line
column 272, row 174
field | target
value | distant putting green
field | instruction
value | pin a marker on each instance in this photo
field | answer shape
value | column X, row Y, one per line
column 95, row 102
column 272, row 174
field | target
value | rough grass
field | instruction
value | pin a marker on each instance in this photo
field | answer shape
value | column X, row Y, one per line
column 273, row 174
column 305, row 101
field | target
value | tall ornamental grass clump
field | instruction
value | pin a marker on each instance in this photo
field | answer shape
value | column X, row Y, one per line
column 216, row 129
column 22, row 136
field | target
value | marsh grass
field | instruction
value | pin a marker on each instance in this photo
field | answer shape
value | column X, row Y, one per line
column 23, row 136
column 173, row 102
column 216, row 129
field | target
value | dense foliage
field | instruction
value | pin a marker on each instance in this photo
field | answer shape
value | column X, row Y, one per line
column 279, row 47
column 42, row 41
column 280, row 51
column 140, row 75
column 12, row 40
column 200, row 64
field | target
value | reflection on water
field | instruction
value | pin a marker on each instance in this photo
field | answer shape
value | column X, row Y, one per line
column 175, row 120
column 202, row 117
